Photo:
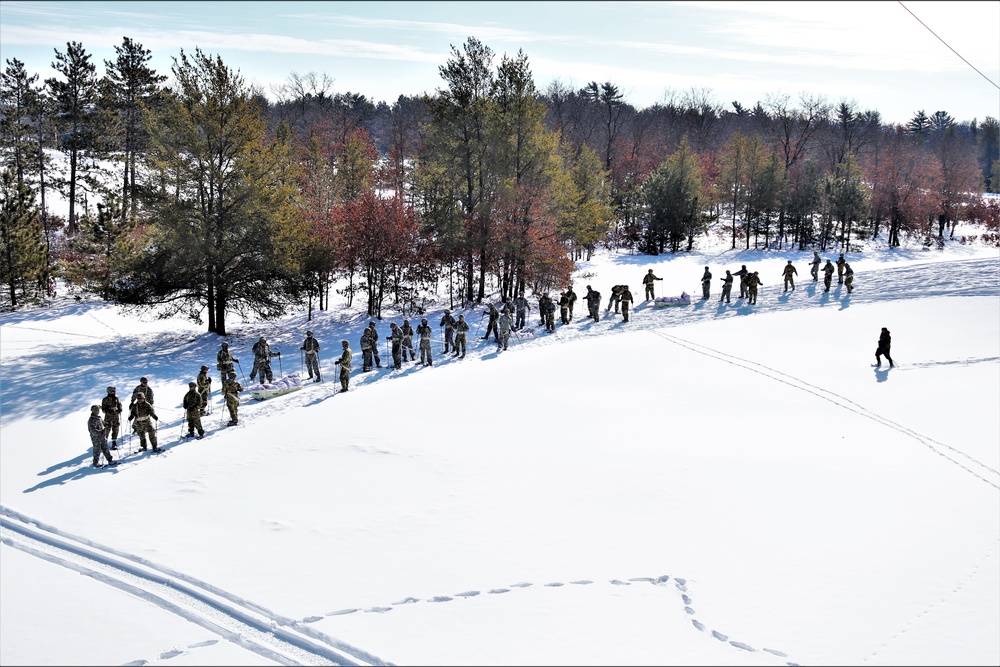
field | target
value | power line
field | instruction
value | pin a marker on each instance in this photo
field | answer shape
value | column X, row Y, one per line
column 948, row 45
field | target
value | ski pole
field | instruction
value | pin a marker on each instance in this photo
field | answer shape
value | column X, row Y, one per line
column 302, row 364
column 281, row 372
column 241, row 371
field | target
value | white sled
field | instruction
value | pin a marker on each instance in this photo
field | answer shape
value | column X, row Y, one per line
column 683, row 300
column 280, row 387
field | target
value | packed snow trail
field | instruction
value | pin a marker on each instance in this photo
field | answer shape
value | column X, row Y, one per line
column 254, row 628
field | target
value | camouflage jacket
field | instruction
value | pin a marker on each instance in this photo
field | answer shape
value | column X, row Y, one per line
column 204, row 381
column 96, row 429
column 192, row 401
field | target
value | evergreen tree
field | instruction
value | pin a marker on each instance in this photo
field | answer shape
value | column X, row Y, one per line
column 74, row 98
column 130, row 84
column 673, row 199
column 225, row 230
column 102, row 249
column 920, row 124
column 23, row 269
column 17, row 99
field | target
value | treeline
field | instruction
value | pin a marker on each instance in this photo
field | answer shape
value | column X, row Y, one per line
column 206, row 197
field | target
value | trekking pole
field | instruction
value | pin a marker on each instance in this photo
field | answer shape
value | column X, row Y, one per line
column 281, row 372
column 302, row 363
column 478, row 326
column 241, row 371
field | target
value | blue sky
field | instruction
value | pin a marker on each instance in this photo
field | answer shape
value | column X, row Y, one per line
column 873, row 53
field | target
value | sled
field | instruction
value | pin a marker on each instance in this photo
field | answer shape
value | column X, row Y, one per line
column 280, row 387
column 683, row 300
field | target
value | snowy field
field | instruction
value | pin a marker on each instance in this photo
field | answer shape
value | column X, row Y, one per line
column 705, row 485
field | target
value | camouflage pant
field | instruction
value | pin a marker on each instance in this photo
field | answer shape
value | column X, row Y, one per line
column 814, row 272
column 460, row 343
column 345, row 378
column 366, row 359
column 425, row 351
column 849, row 284
column 112, row 421
column 550, row 320
column 264, row 367
column 233, row 403
column 397, row 354
column 649, row 291
column 827, row 280
column 504, row 340
column 312, row 363
column 613, row 301
column 194, row 421
column 99, row 447
column 625, row 307
column 752, row 294
column 408, row 348
column 143, row 429
column 519, row 319
column 726, row 289
column 564, row 315
column 705, row 288
column 449, row 333
column 789, row 282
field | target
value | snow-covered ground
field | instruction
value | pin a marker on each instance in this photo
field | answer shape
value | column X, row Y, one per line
column 707, row 484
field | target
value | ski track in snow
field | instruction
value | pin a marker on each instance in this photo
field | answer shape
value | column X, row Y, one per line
column 232, row 618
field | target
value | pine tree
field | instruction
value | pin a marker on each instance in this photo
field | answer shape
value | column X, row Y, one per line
column 225, row 232
column 129, row 85
column 23, row 269
column 75, row 100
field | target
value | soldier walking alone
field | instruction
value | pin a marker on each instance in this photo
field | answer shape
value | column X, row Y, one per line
column 884, row 343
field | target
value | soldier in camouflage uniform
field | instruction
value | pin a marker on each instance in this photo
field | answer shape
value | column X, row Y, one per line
column 140, row 413
column 424, row 330
column 828, row 275
column 789, row 272
column 262, row 360
column 521, row 306
column 311, row 347
column 615, row 298
column 706, row 283
column 231, row 389
column 742, row 273
column 564, row 308
column 192, row 404
column 627, row 299
column 144, row 389
column 647, row 280
column 375, row 339
column 205, row 388
column 727, row 287
column 461, row 328
column 396, row 336
column 503, row 331
column 593, row 299
column 840, row 269
column 814, row 271
column 112, row 408
column 408, row 341
column 97, row 438
column 224, row 363
column 548, row 308
column 493, row 314
column 366, row 350
column 884, row 345
column 345, row 365
column 753, row 280
column 448, row 322
column 571, row 295
column 848, row 277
